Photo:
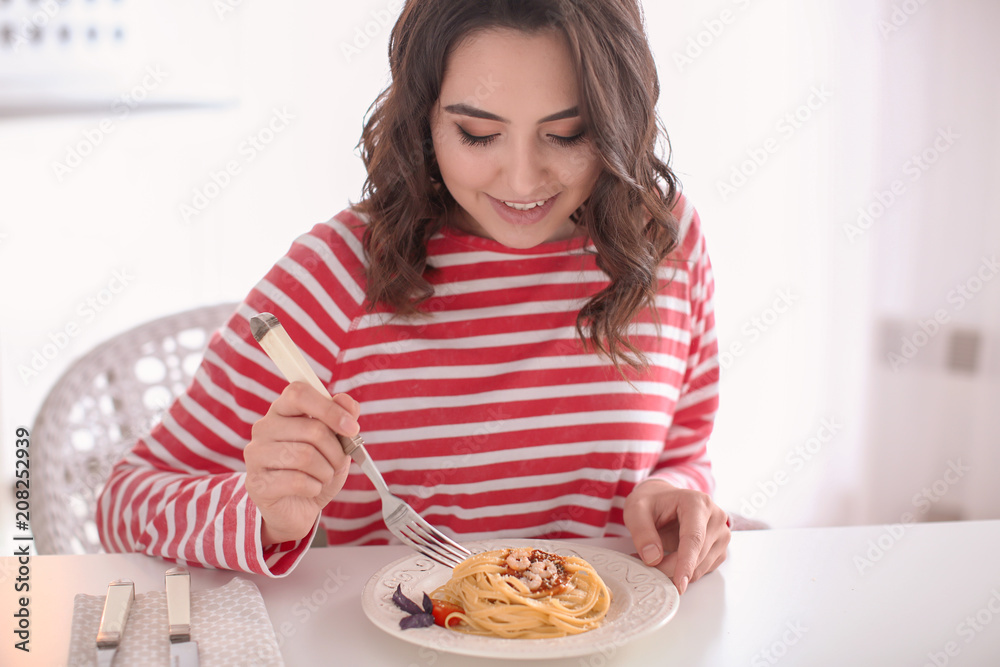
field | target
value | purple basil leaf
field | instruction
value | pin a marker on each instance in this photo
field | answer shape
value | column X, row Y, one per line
column 428, row 605
column 405, row 603
column 417, row 621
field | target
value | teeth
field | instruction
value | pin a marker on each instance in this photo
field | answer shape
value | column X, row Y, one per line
column 525, row 207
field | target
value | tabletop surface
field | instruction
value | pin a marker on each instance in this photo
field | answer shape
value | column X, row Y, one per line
column 924, row 594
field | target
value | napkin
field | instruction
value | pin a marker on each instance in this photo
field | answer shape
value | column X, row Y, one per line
column 230, row 624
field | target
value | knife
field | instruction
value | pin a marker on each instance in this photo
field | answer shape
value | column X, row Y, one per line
column 118, row 604
column 183, row 651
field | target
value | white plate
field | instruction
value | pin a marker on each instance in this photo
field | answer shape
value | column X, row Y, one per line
column 643, row 599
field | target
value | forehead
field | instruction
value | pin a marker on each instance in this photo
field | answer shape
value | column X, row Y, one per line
column 496, row 68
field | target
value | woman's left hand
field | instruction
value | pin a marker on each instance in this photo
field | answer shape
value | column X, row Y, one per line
column 686, row 525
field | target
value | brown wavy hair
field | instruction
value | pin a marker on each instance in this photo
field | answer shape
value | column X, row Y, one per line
column 628, row 214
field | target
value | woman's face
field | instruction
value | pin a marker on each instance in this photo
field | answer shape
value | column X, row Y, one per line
column 507, row 131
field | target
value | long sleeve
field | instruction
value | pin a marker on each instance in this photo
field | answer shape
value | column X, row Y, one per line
column 180, row 492
column 684, row 461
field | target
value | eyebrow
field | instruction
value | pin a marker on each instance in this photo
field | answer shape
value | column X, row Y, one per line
column 467, row 110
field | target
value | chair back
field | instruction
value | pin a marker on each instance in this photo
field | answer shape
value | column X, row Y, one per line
column 97, row 410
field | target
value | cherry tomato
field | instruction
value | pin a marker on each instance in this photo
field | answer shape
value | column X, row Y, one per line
column 441, row 611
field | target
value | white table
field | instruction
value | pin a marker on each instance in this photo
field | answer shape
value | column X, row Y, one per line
column 788, row 597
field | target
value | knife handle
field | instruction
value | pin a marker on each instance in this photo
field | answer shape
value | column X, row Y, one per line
column 178, row 584
column 118, row 604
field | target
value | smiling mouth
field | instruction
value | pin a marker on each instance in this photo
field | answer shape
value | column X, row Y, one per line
column 524, row 207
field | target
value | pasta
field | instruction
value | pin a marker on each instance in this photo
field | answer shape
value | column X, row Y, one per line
column 524, row 594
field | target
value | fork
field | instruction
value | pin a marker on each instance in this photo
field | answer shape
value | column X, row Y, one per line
column 401, row 519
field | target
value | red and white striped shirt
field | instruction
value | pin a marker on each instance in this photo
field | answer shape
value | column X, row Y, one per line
column 489, row 417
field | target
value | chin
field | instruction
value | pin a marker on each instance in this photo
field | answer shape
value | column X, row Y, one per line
column 522, row 243
column 529, row 238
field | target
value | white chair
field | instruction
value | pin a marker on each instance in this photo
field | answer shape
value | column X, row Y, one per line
column 96, row 411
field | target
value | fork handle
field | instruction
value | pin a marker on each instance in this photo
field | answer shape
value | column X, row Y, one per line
column 355, row 448
column 351, row 445
column 278, row 345
column 285, row 354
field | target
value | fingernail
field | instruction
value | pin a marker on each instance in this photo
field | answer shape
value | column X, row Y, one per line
column 683, row 585
column 650, row 554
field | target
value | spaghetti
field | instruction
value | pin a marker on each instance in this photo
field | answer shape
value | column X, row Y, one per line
column 524, row 594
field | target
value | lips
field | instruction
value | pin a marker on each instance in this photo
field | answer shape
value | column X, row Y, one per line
column 523, row 217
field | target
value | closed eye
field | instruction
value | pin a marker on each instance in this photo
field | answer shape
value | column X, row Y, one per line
column 470, row 139
column 569, row 141
column 474, row 140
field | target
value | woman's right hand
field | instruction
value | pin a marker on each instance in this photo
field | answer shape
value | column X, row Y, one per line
column 295, row 464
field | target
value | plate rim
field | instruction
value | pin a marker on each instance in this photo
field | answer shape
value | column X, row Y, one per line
column 493, row 647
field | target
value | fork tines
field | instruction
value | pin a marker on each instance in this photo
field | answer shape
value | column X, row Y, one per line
column 432, row 543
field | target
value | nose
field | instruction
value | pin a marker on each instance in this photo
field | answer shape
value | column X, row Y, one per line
column 527, row 170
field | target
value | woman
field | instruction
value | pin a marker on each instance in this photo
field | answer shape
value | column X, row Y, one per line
column 519, row 307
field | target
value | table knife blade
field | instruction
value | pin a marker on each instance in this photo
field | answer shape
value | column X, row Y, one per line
column 183, row 651
column 117, row 605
